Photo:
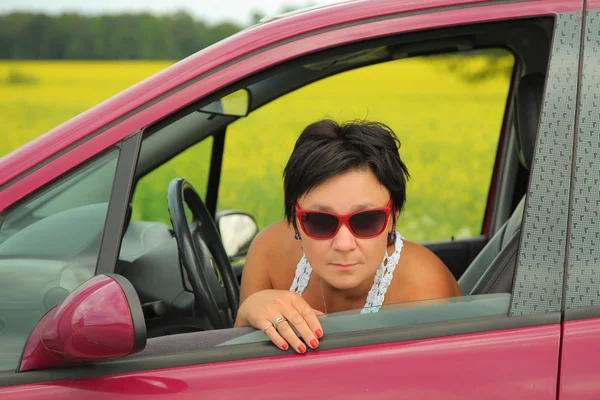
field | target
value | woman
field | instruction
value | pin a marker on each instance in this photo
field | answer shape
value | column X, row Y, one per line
column 345, row 187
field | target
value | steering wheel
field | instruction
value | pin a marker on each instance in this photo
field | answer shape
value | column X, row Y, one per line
column 199, row 244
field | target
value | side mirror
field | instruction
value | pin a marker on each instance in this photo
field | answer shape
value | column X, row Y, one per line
column 100, row 320
column 237, row 230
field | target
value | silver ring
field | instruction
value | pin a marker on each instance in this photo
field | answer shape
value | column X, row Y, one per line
column 267, row 327
column 278, row 321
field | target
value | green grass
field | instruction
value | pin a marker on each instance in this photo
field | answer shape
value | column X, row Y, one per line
column 448, row 127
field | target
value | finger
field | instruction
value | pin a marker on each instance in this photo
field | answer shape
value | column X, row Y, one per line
column 286, row 331
column 318, row 312
column 301, row 325
column 272, row 333
column 309, row 316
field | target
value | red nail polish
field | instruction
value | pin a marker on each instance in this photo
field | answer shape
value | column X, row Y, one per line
column 302, row 348
column 319, row 333
column 314, row 343
column 284, row 346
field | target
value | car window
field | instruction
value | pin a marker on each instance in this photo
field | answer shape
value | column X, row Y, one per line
column 149, row 201
column 49, row 245
column 446, row 110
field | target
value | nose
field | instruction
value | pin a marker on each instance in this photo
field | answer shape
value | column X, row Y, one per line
column 344, row 240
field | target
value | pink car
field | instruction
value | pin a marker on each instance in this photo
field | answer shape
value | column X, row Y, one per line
column 97, row 305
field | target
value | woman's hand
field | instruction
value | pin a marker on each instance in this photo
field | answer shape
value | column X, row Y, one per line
column 262, row 309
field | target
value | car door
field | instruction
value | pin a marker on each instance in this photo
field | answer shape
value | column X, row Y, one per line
column 581, row 307
column 495, row 345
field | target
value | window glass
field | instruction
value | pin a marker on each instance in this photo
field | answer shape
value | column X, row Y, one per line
column 447, row 112
column 49, row 245
column 403, row 314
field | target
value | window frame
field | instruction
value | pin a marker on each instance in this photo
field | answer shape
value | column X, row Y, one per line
column 119, row 202
column 443, row 328
column 370, row 43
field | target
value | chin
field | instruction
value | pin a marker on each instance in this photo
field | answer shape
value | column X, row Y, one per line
column 345, row 282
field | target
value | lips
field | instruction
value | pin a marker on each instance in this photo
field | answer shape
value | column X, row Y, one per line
column 343, row 267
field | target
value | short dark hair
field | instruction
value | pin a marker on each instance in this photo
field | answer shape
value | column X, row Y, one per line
column 325, row 149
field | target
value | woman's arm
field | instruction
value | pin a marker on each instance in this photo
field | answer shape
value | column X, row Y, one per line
column 261, row 303
column 255, row 276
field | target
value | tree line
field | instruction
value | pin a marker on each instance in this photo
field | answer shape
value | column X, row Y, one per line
column 34, row 36
column 144, row 36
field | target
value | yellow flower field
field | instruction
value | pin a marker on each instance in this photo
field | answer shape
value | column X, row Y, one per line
column 59, row 91
column 448, row 127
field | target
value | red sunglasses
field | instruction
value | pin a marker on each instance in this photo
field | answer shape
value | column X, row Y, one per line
column 363, row 224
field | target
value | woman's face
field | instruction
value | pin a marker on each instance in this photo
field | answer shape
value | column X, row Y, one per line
column 346, row 261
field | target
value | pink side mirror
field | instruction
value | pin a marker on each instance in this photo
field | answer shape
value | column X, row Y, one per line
column 99, row 320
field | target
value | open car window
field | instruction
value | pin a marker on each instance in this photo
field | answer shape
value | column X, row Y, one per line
column 439, row 106
column 149, row 202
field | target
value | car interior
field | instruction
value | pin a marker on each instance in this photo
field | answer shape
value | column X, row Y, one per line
column 149, row 255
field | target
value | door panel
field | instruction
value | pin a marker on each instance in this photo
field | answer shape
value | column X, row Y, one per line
column 522, row 360
column 579, row 364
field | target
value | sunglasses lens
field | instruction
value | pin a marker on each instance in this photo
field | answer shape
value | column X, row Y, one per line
column 368, row 223
column 319, row 225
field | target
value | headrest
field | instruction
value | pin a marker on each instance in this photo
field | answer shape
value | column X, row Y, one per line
column 529, row 99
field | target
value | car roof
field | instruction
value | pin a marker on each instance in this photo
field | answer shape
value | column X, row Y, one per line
column 271, row 30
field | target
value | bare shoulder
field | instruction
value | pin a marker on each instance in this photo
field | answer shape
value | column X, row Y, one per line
column 420, row 275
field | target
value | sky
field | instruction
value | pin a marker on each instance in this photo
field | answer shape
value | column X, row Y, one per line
column 209, row 10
